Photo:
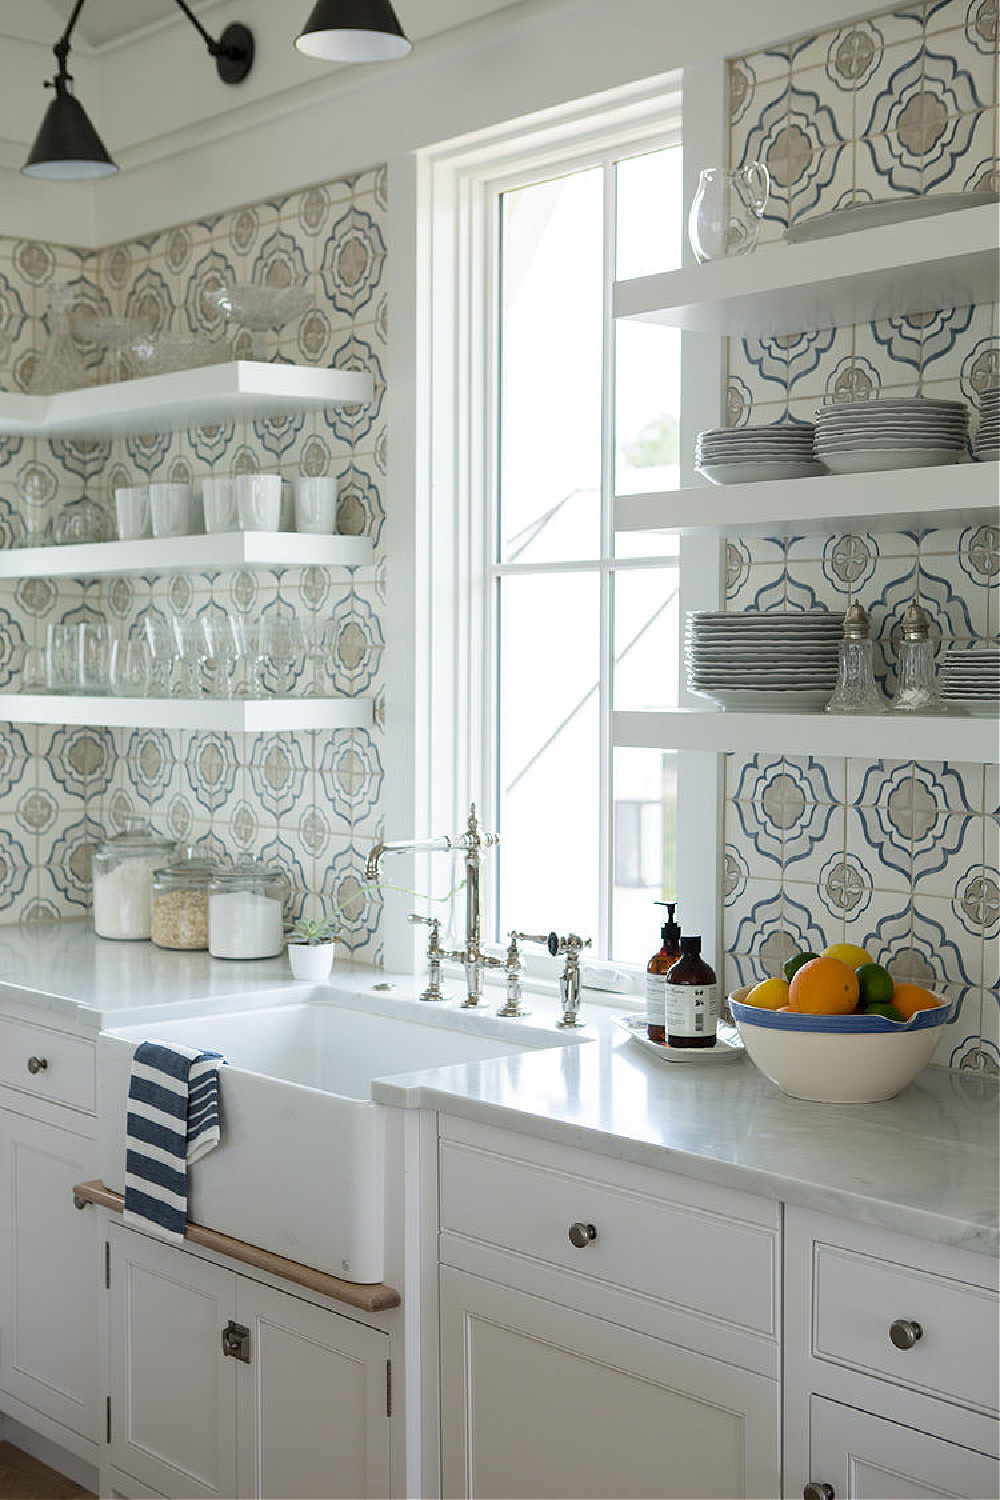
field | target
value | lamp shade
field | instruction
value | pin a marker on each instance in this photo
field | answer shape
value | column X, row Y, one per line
column 67, row 146
column 353, row 31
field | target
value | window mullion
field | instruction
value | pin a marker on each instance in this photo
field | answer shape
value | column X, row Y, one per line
column 607, row 544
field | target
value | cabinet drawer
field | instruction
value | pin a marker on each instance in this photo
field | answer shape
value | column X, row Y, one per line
column 699, row 1260
column 66, row 1065
column 856, row 1301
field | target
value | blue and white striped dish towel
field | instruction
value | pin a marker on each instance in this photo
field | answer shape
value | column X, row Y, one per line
column 173, row 1119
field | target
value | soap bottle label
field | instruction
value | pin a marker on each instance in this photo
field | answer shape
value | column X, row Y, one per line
column 656, row 990
column 692, row 1009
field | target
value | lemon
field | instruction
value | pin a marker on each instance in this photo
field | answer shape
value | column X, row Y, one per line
column 770, row 994
column 849, row 954
column 874, row 985
column 793, row 964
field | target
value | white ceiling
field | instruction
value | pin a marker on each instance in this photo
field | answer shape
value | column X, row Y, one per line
column 109, row 20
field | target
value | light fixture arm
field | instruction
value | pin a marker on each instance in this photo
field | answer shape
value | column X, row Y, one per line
column 233, row 52
column 61, row 50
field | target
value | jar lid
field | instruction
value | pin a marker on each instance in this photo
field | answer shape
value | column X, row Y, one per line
column 247, row 874
column 189, row 868
column 856, row 627
column 916, row 623
column 139, row 836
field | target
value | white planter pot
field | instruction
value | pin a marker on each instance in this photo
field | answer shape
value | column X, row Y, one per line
column 311, row 960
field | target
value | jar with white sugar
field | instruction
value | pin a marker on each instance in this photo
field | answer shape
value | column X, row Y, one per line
column 123, row 875
column 246, row 911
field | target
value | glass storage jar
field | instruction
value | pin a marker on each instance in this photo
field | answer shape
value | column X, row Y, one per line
column 123, row 875
column 179, row 901
column 246, row 911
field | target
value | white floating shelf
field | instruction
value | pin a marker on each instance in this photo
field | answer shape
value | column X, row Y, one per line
column 895, row 736
column 948, row 261
column 188, row 554
column 233, row 715
column 240, row 389
column 956, row 495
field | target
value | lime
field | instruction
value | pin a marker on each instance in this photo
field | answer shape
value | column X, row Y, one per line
column 874, row 985
column 793, row 964
column 888, row 1011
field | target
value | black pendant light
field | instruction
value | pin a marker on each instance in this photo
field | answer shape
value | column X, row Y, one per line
column 67, row 146
column 353, row 31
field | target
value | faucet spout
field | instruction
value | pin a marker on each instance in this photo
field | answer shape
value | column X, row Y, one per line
column 402, row 846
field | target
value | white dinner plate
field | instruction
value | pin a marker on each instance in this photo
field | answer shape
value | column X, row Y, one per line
column 876, row 461
column 748, row 700
column 749, row 473
column 897, row 210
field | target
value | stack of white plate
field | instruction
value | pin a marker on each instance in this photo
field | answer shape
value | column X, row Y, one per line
column 987, row 444
column 902, row 432
column 741, row 455
column 769, row 661
column 970, row 678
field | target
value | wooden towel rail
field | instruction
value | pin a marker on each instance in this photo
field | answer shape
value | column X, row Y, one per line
column 373, row 1296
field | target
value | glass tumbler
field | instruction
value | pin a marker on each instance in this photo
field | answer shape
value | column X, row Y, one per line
column 62, row 659
column 92, row 648
column 129, row 667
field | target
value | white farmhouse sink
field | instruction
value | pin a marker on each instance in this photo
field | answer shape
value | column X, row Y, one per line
column 301, row 1167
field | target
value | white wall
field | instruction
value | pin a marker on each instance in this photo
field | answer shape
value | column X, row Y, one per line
column 190, row 146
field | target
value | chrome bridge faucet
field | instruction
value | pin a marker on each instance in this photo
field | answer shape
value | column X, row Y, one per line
column 472, row 843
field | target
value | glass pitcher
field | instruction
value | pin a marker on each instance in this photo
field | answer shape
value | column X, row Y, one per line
column 726, row 212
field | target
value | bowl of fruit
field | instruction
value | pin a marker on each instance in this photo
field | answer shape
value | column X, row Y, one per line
column 837, row 1028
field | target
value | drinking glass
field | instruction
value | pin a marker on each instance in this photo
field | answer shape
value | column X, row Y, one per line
column 258, row 501
column 316, row 505
column 162, row 654
column 170, row 509
column 62, row 659
column 33, row 670
column 92, row 648
column 190, row 653
column 283, row 648
column 218, row 497
column 129, row 666
column 222, row 653
column 132, row 511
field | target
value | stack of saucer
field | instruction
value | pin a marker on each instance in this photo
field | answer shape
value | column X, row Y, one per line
column 987, row 444
column 741, row 455
column 970, row 678
column 903, row 432
column 764, row 660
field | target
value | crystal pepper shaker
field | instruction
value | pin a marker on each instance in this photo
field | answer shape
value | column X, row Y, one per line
column 916, row 677
column 856, row 691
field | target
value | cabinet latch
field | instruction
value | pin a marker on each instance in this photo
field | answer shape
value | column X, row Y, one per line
column 236, row 1342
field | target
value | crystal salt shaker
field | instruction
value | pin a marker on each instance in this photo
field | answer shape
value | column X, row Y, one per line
column 916, row 676
column 856, row 691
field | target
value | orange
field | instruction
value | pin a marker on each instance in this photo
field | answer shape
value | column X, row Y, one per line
column 909, row 998
column 824, row 987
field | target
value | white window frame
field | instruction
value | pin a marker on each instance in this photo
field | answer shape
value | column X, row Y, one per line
column 437, row 690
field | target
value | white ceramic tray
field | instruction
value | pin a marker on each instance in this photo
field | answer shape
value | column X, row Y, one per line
column 728, row 1047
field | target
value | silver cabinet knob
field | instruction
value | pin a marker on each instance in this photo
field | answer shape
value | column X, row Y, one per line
column 581, row 1235
column 904, row 1333
column 814, row 1491
column 37, row 1064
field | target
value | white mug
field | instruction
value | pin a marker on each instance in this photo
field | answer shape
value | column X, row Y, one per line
column 170, row 509
column 258, row 501
column 132, row 511
column 219, row 499
column 316, row 505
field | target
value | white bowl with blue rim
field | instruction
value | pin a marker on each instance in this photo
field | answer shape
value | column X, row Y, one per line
column 837, row 1059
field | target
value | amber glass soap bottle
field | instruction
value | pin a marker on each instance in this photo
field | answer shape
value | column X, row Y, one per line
column 692, row 999
column 656, row 974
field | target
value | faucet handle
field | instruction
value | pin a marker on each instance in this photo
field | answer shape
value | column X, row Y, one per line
column 531, row 937
column 571, row 944
column 416, row 916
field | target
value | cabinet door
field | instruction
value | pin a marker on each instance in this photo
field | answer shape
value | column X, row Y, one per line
column 865, row 1458
column 540, row 1401
column 314, row 1401
column 173, row 1391
column 50, row 1274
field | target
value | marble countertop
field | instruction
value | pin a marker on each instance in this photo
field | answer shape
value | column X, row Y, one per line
column 925, row 1163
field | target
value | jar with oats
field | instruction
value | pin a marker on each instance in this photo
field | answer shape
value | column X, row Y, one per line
column 179, row 901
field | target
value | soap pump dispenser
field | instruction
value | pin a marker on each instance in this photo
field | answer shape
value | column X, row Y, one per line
column 656, row 972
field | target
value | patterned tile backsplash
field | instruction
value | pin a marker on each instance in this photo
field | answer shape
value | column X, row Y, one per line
column 900, row 857
column 309, row 803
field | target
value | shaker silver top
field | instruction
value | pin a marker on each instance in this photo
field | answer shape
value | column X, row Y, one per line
column 856, row 623
column 916, row 623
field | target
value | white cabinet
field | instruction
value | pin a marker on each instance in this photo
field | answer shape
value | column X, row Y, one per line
column 595, row 1340
column 50, row 1253
column 538, row 1400
column 891, row 1365
column 298, row 1407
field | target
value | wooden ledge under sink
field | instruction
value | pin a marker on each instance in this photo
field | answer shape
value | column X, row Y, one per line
column 367, row 1296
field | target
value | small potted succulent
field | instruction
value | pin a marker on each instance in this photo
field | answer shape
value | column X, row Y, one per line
column 310, row 948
